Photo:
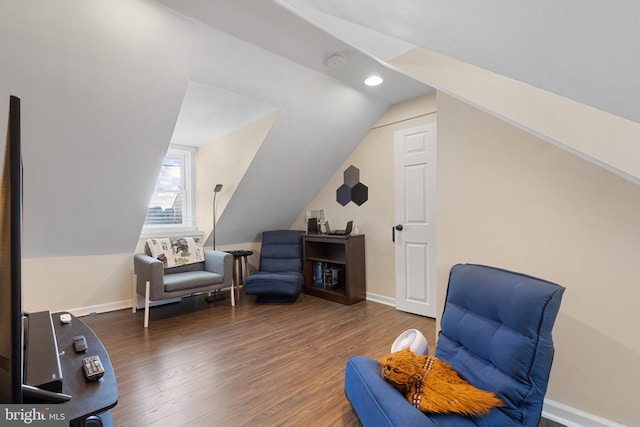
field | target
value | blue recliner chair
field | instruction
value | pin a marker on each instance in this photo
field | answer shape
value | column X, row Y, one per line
column 279, row 277
column 495, row 332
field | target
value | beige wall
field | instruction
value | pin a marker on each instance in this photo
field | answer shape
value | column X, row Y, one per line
column 225, row 161
column 604, row 138
column 81, row 284
column 374, row 158
column 509, row 199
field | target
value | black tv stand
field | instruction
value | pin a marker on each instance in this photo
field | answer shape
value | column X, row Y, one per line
column 31, row 394
column 42, row 367
column 90, row 399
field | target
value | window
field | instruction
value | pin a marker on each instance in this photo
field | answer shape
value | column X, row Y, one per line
column 172, row 204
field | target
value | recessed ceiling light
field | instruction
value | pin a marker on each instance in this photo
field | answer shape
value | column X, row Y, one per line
column 373, row 80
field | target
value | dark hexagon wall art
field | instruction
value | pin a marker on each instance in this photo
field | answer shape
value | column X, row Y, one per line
column 352, row 190
column 359, row 193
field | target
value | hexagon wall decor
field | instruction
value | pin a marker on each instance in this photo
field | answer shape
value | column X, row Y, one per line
column 352, row 190
column 343, row 195
column 359, row 193
column 351, row 176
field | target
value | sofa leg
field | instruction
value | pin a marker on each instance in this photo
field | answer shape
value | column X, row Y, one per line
column 135, row 294
column 146, row 304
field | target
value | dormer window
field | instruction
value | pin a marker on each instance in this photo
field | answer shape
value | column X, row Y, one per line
column 171, row 208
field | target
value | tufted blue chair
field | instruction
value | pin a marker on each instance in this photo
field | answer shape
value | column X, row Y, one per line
column 495, row 332
column 279, row 276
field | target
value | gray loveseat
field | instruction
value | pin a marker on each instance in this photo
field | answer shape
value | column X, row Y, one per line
column 155, row 281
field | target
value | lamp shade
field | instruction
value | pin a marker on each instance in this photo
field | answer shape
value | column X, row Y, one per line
column 412, row 339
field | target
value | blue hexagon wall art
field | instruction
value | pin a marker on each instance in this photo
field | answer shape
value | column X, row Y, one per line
column 352, row 190
column 343, row 195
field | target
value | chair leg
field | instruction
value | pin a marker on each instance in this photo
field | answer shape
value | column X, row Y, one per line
column 233, row 292
column 245, row 271
column 146, row 304
column 135, row 294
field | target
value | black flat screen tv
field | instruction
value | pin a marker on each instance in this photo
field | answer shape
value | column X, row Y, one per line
column 11, row 329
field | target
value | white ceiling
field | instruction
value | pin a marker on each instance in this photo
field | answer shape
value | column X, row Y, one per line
column 584, row 50
column 305, row 36
column 208, row 113
column 104, row 83
column 291, row 34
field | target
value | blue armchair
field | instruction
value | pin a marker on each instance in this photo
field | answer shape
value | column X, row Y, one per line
column 495, row 332
column 279, row 276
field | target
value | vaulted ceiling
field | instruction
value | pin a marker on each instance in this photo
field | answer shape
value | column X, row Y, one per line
column 103, row 85
column 586, row 51
column 582, row 51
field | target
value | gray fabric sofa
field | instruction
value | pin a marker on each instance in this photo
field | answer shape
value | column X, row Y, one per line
column 155, row 282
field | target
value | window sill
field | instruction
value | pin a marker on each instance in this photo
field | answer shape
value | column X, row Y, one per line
column 178, row 232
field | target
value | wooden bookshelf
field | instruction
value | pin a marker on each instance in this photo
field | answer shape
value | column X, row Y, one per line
column 344, row 256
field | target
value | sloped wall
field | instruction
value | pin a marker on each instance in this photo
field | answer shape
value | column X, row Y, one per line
column 603, row 138
column 101, row 87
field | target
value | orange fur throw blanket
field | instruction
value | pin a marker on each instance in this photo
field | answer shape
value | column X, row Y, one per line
column 431, row 385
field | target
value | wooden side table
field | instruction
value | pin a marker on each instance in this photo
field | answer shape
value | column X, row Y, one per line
column 241, row 270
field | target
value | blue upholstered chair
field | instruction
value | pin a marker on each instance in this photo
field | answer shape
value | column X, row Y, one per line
column 495, row 332
column 279, row 276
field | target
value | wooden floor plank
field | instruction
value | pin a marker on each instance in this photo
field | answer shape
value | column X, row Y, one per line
column 202, row 364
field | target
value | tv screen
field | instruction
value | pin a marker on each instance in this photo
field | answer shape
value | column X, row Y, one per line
column 11, row 334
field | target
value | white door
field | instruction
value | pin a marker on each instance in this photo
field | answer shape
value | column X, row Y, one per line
column 415, row 189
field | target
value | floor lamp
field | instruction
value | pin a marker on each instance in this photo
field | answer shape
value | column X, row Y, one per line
column 216, row 190
column 216, row 294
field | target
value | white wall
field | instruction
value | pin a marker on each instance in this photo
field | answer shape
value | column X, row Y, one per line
column 374, row 157
column 510, row 199
column 101, row 89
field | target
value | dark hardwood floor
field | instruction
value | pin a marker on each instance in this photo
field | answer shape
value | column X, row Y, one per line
column 201, row 364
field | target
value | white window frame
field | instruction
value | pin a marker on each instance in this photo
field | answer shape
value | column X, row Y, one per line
column 187, row 166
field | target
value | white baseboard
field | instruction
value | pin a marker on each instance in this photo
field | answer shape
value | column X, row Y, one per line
column 100, row 308
column 119, row 305
column 572, row 417
column 381, row 299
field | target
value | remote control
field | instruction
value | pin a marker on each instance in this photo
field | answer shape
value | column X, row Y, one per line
column 93, row 369
column 79, row 344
